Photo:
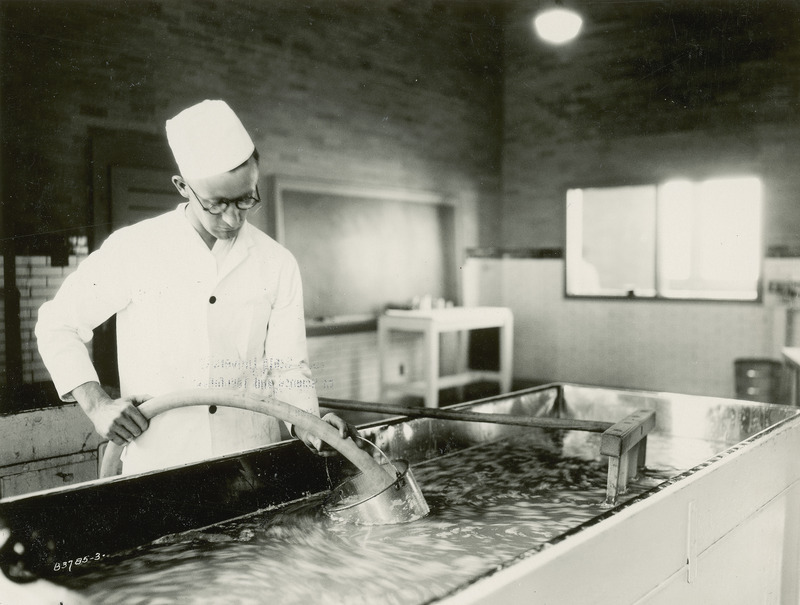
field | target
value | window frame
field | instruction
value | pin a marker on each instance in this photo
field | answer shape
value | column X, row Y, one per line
column 657, row 182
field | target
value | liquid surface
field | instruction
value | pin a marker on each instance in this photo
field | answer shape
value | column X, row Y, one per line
column 488, row 504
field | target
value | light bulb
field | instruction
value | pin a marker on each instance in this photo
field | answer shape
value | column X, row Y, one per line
column 558, row 25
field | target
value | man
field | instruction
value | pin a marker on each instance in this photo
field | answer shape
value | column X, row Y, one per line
column 203, row 300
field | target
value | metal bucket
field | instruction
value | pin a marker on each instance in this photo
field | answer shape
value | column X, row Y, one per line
column 399, row 502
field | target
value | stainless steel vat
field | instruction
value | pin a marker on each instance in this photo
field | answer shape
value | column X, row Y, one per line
column 724, row 529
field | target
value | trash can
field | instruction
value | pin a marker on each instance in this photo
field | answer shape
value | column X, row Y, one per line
column 758, row 379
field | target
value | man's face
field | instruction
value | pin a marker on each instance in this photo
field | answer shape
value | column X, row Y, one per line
column 229, row 186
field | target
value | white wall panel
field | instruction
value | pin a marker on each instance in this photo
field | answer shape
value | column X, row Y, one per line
column 678, row 346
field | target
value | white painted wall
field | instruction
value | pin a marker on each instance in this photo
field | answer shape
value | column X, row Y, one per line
column 685, row 347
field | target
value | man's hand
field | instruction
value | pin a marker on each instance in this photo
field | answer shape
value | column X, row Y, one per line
column 323, row 449
column 118, row 420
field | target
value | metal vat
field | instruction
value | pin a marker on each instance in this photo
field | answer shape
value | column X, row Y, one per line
column 726, row 529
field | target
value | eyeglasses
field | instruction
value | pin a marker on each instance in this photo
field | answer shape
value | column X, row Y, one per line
column 216, row 208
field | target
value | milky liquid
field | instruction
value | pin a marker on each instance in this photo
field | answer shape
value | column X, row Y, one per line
column 488, row 504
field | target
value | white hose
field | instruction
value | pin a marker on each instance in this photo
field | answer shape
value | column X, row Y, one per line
column 372, row 471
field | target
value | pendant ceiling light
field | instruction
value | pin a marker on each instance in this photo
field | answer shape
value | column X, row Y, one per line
column 557, row 25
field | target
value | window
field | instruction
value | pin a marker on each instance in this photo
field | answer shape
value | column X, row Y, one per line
column 680, row 239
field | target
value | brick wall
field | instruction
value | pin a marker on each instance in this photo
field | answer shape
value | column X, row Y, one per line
column 651, row 90
column 445, row 96
column 388, row 93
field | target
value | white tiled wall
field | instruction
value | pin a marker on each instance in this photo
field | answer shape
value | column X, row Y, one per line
column 783, row 270
column 37, row 281
column 2, row 324
column 346, row 366
column 675, row 346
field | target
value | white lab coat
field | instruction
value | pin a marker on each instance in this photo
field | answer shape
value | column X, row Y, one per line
column 182, row 323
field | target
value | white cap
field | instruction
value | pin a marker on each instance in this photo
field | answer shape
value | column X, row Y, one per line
column 208, row 139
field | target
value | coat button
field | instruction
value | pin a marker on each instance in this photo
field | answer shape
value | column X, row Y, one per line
column 212, row 409
column 212, row 300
